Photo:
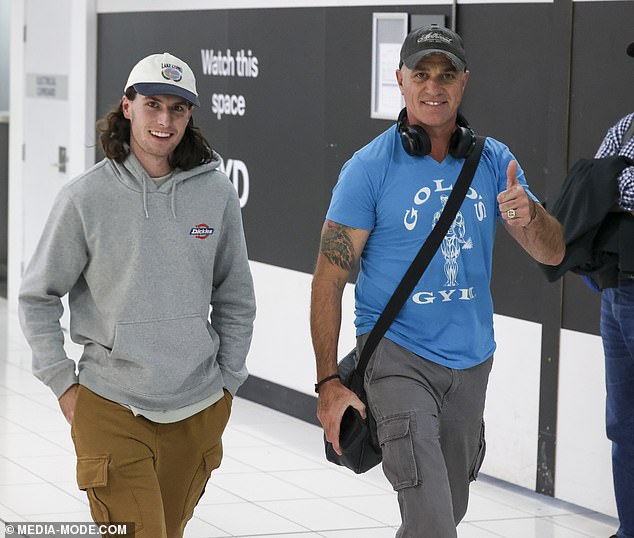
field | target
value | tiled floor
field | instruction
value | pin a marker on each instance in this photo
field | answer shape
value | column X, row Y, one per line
column 273, row 482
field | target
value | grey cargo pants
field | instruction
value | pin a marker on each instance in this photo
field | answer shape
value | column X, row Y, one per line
column 431, row 429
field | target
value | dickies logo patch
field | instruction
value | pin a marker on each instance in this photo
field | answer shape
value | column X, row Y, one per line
column 201, row 231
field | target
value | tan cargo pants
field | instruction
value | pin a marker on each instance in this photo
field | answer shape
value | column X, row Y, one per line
column 135, row 470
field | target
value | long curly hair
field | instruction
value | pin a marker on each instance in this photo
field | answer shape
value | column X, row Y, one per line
column 193, row 150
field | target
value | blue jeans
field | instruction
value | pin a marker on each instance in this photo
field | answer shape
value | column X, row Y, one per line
column 617, row 330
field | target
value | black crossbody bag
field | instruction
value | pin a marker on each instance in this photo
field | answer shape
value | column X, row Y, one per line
column 358, row 437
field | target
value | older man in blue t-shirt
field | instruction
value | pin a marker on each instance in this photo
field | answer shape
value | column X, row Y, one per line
column 426, row 382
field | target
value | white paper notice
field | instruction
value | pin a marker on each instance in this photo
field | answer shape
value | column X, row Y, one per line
column 389, row 99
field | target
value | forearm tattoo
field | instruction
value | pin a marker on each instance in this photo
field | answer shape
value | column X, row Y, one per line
column 336, row 245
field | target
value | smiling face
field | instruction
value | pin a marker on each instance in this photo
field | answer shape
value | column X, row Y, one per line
column 433, row 92
column 157, row 125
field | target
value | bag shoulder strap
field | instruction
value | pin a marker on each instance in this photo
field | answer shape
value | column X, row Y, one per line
column 424, row 256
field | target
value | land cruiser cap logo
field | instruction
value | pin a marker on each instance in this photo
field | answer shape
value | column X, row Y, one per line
column 172, row 72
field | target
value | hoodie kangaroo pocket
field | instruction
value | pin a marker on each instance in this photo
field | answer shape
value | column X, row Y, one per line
column 161, row 357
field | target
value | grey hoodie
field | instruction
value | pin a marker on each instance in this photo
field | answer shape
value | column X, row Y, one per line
column 142, row 266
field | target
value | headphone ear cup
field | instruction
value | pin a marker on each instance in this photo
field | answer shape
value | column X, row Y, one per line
column 461, row 142
column 409, row 144
column 415, row 140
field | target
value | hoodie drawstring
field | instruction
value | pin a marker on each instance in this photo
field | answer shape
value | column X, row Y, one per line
column 132, row 174
column 147, row 215
column 174, row 199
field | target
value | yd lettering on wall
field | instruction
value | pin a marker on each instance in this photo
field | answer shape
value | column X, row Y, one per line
column 238, row 173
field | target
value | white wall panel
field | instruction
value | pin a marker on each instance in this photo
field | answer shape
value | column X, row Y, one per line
column 512, row 408
column 583, row 467
column 281, row 351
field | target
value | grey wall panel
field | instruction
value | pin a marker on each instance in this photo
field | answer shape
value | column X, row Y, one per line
column 602, row 74
column 602, row 82
column 348, row 52
column 517, row 94
column 280, row 138
column 281, row 135
column 308, row 110
column 581, row 309
column 125, row 38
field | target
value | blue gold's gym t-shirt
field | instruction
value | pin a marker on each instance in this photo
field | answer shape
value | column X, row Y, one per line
column 448, row 318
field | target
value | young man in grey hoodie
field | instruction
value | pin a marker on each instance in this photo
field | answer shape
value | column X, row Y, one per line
column 149, row 246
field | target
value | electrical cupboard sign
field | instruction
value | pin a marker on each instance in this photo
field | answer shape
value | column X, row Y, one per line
column 47, row 86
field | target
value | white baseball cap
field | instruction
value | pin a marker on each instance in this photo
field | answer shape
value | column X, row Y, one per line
column 163, row 74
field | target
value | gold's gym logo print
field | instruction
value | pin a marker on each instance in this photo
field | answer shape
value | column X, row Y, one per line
column 201, row 231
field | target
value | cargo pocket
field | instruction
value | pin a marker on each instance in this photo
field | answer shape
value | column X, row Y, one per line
column 479, row 459
column 399, row 463
column 211, row 461
column 92, row 477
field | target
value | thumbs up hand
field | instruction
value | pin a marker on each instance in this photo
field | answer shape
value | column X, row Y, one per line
column 516, row 207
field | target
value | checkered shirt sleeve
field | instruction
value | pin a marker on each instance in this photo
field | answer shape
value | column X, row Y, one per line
column 612, row 145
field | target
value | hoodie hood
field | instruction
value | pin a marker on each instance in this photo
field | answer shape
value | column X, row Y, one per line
column 132, row 174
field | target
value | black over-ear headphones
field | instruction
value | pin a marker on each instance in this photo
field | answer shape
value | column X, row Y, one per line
column 416, row 141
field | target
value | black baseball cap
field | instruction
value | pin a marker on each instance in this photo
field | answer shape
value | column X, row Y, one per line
column 433, row 39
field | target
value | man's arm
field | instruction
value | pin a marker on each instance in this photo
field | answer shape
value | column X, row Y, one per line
column 233, row 297
column 339, row 252
column 539, row 233
column 56, row 265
